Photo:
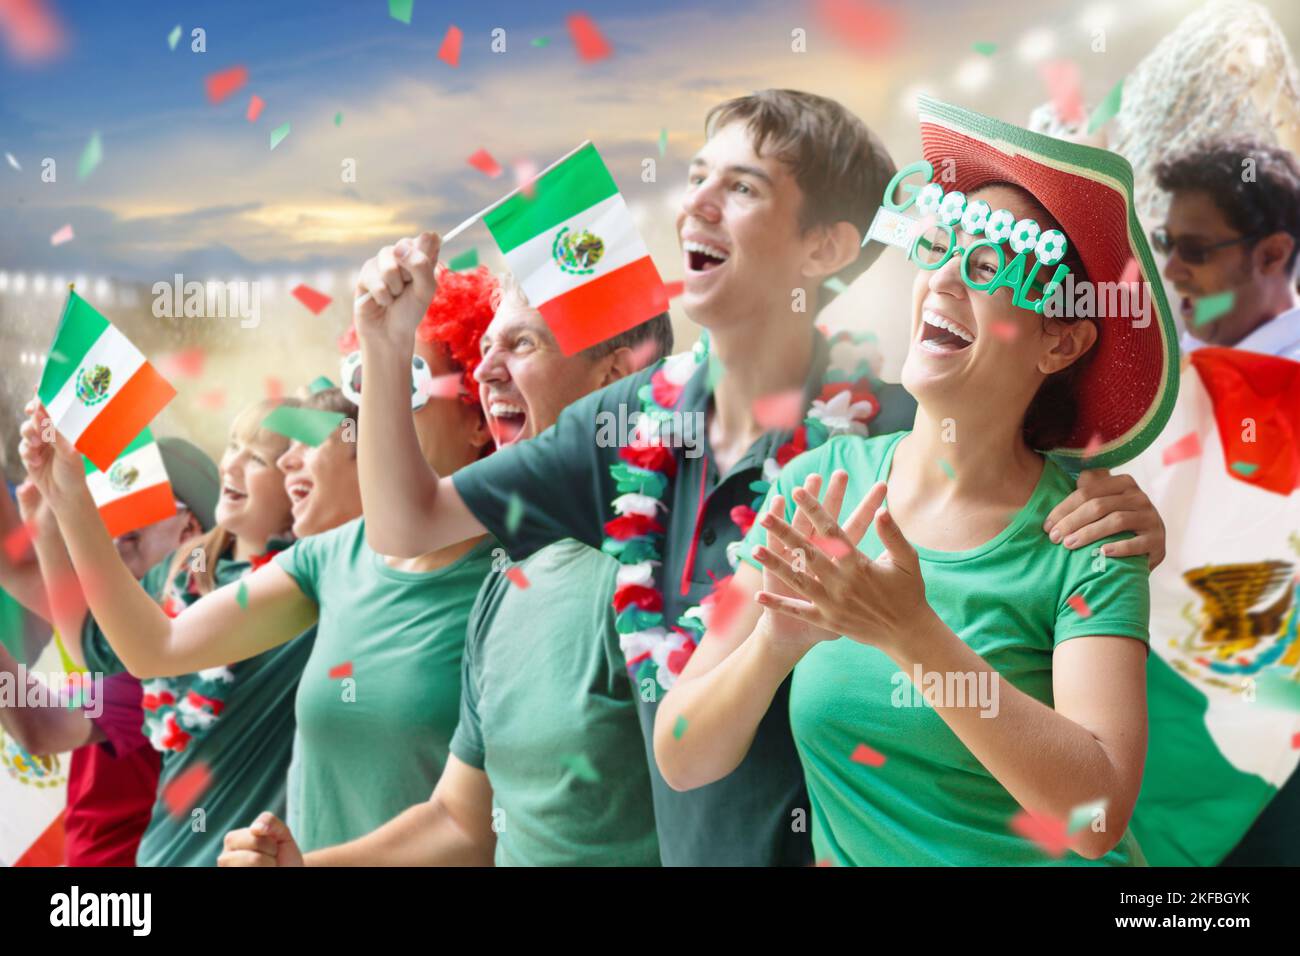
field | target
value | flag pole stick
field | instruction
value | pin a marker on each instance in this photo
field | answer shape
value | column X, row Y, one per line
column 457, row 230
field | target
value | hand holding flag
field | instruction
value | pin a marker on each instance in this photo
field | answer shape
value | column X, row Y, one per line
column 53, row 464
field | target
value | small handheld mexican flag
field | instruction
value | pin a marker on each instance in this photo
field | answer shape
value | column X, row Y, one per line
column 99, row 389
column 575, row 250
column 135, row 491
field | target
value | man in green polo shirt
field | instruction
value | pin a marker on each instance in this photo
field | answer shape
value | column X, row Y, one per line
column 760, row 222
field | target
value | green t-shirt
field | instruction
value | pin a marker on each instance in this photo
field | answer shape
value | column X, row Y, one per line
column 547, row 712
column 372, row 739
column 931, row 802
column 225, row 734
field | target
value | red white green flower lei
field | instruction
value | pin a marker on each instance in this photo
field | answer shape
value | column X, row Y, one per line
column 635, row 537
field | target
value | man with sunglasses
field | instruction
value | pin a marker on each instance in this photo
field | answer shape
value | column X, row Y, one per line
column 1234, row 226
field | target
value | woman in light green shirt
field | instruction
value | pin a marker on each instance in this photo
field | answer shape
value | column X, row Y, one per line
column 965, row 691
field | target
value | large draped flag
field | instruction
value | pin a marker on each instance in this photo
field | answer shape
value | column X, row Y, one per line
column 135, row 491
column 1222, row 685
column 574, row 248
column 99, row 389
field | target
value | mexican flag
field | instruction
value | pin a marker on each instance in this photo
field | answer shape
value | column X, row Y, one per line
column 97, row 386
column 135, row 491
column 1223, row 681
column 575, row 250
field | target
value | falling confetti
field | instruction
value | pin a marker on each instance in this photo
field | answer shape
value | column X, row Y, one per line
column 62, row 236
column 18, row 541
column 13, row 162
column 674, row 289
column 644, row 354
column 1107, row 108
column 339, row 671
column 780, row 411
column 541, row 41
column 869, row 27
column 663, row 140
column 316, row 302
column 1082, row 815
column 517, row 578
column 485, row 164
column 1048, row 834
column 91, row 157
column 1006, row 331
column 443, row 386
column 241, row 596
column 947, row 469
column 836, row 285
column 224, row 83
column 1244, row 468
column 1079, row 605
column 1212, row 307
column 278, row 134
column 183, row 793
column 581, row 767
column 715, row 373
column 466, row 260
column 273, row 387
column 514, row 514
column 184, row 364
column 1189, row 446
column 401, row 10
column 311, row 426
column 213, row 401
column 587, row 38
column 988, row 49
column 320, row 384
column 835, row 547
column 727, row 601
column 449, row 53
column 1295, row 742
column 174, row 37
column 525, row 176
column 1277, row 692
column 1094, row 445
column 255, row 105
column 338, row 119
column 32, row 29
column 679, row 727
column 1062, row 79
column 867, row 756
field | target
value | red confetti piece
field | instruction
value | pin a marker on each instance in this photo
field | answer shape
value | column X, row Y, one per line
column 255, row 108
column 485, row 164
column 1094, row 445
column 1189, row 446
column 587, row 38
column 826, row 862
column 835, row 547
column 1047, row 833
column 450, row 51
column 867, row 756
column 225, row 82
column 644, row 354
column 1295, row 742
column 779, row 411
column 184, row 364
column 63, row 235
column 213, row 401
column 341, row 670
column 1006, row 331
column 19, row 541
column 33, row 31
column 869, row 27
column 1062, row 79
column 525, row 174
column 442, row 386
column 316, row 302
column 274, row 388
column 1080, row 605
column 182, row 793
column 1131, row 272
column 517, row 578
column 728, row 600
column 674, row 289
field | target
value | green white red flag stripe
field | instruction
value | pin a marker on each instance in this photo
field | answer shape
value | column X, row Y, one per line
column 134, row 492
column 575, row 249
column 99, row 388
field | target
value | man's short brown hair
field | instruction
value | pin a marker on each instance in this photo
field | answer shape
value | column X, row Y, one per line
column 841, row 167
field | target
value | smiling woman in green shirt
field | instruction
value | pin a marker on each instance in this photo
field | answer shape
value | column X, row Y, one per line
column 951, row 667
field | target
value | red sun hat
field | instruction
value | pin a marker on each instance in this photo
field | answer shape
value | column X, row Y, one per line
column 1126, row 391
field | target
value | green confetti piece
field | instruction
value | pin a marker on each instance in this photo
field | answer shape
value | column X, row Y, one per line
column 514, row 514
column 581, row 767
column 835, row 284
column 542, row 41
column 1107, row 108
column 679, row 727
column 716, row 371
column 663, row 140
column 947, row 468
column 466, row 260
column 320, row 383
column 1277, row 692
column 1244, row 468
column 1083, row 815
column 311, row 426
column 278, row 134
column 988, row 49
column 338, row 119
column 74, row 701
column 1213, row 307
column 241, row 596
column 90, row 157
column 401, row 10
column 174, row 37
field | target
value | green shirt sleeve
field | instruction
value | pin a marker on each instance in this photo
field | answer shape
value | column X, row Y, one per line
column 561, row 478
column 99, row 654
column 467, row 741
column 1114, row 596
column 302, row 562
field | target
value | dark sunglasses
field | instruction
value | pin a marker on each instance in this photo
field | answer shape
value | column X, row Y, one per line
column 1191, row 251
